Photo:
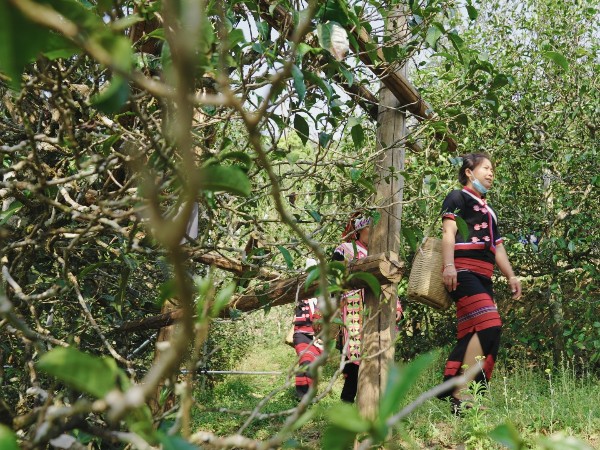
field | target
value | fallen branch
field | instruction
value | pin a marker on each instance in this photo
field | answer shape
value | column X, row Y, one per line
column 385, row 267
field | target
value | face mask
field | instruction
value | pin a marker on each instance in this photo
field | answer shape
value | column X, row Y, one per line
column 478, row 186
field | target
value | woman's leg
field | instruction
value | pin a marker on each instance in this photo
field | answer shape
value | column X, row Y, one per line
column 473, row 356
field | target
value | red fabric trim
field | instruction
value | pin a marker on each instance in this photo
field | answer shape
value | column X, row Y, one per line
column 488, row 366
column 303, row 380
column 452, row 368
column 474, row 265
column 476, row 324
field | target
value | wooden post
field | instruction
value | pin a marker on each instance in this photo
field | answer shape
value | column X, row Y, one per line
column 379, row 330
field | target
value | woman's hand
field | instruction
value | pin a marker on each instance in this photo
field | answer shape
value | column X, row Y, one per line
column 515, row 287
column 449, row 277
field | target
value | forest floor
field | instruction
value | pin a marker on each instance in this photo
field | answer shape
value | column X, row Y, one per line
column 542, row 405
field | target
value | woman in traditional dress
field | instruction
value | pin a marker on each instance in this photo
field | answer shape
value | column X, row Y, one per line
column 307, row 347
column 356, row 246
column 468, row 264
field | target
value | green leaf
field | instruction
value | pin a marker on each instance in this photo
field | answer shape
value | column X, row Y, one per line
column 336, row 11
column 58, row 46
column 348, row 75
column 472, row 11
column 400, row 379
column 126, row 22
column 358, row 136
column 410, row 237
column 463, row 228
column 499, row 81
column 336, row 438
column 287, row 256
column 324, row 139
column 111, row 99
column 457, row 43
column 313, row 274
column 292, row 157
column 8, row 439
column 321, row 82
column 368, row 185
column 433, row 35
column 242, row 157
column 507, row 435
column 557, row 58
column 86, row 373
column 230, row 179
column 301, row 127
column 222, row 299
column 347, row 417
column 175, row 443
column 14, row 207
column 299, row 85
column 314, row 214
column 166, row 290
column 88, row 269
column 371, row 281
column 20, row 42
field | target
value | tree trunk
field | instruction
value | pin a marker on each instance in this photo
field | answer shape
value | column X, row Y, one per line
column 379, row 330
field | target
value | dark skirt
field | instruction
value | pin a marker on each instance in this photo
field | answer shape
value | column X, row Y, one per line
column 476, row 312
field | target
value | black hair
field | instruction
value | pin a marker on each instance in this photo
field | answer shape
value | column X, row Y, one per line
column 471, row 161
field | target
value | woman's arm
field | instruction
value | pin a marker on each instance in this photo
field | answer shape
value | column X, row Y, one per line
column 448, row 240
column 507, row 271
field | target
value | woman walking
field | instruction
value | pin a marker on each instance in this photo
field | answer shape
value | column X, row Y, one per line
column 356, row 246
column 468, row 264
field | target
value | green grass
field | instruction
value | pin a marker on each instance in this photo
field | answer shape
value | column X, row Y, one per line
column 537, row 403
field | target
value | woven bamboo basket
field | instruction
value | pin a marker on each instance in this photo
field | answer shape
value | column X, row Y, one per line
column 425, row 284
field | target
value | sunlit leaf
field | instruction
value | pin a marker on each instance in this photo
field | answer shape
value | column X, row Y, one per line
column 86, row 373
column 400, row 379
column 313, row 274
column 8, row 439
column 463, row 228
column 126, row 22
column 336, row 438
column 557, row 58
column 507, row 435
column 166, row 291
column 346, row 416
column 14, row 207
column 433, row 35
column 219, row 178
column 333, row 38
column 222, row 299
